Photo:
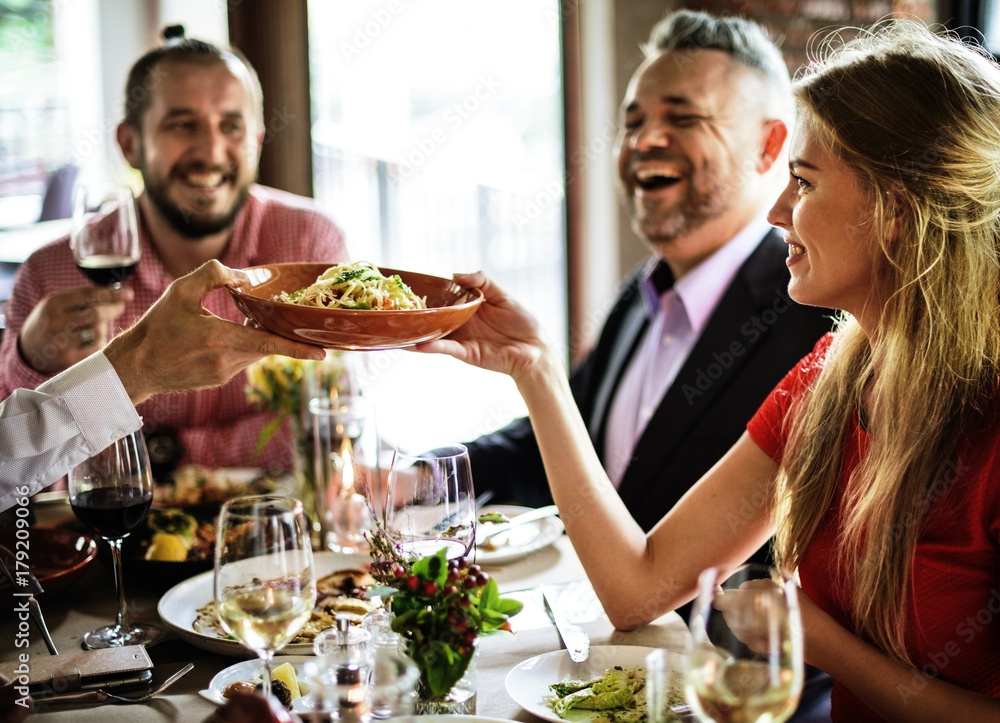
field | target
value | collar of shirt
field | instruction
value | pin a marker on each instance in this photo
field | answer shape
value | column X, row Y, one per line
column 701, row 288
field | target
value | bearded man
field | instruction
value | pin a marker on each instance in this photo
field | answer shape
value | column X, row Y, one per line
column 193, row 126
column 704, row 329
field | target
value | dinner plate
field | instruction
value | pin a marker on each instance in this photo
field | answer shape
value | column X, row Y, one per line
column 57, row 557
column 250, row 670
column 522, row 540
column 448, row 307
column 178, row 607
column 528, row 682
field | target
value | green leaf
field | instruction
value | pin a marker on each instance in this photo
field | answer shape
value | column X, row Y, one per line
column 490, row 596
column 268, row 430
column 433, row 568
column 508, row 606
column 381, row 591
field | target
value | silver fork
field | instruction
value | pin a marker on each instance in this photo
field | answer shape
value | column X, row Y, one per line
column 103, row 696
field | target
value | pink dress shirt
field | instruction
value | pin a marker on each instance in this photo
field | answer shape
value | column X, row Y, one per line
column 677, row 317
column 216, row 427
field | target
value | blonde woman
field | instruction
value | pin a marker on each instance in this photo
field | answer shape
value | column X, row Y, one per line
column 874, row 463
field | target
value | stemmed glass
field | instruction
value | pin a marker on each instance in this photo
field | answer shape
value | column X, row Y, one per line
column 105, row 235
column 265, row 582
column 745, row 663
column 111, row 493
column 430, row 503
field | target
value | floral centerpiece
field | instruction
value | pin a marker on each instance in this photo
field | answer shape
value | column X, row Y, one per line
column 284, row 385
column 440, row 607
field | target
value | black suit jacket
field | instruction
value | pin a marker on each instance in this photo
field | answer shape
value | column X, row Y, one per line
column 753, row 338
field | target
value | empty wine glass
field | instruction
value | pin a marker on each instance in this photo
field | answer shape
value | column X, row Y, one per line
column 745, row 662
column 265, row 582
column 430, row 503
column 105, row 235
column 111, row 493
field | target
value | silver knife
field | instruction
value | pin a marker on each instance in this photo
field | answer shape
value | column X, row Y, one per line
column 574, row 637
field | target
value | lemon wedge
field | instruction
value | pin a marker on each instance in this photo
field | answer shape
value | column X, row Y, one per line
column 167, row 547
column 286, row 674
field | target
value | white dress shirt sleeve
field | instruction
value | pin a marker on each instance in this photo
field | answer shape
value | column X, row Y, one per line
column 45, row 432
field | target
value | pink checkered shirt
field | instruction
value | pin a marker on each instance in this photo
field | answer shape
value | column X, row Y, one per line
column 217, row 427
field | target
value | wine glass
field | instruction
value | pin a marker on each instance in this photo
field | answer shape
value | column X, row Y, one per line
column 105, row 235
column 745, row 662
column 110, row 493
column 265, row 582
column 430, row 503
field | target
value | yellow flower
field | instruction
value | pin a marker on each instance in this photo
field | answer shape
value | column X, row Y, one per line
column 275, row 384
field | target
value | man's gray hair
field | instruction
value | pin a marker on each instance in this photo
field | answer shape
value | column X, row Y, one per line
column 746, row 41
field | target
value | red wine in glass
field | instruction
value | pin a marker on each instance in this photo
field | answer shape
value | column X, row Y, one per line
column 107, row 269
column 111, row 493
column 112, row 512
column 105, row 235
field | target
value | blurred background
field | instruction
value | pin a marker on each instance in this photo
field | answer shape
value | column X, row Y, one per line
column 442, row 135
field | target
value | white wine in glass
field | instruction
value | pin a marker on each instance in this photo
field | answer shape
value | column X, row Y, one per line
column 265, row 583
column 111, row 493
column 430, row 503
column 745, row 664
column 105, row 232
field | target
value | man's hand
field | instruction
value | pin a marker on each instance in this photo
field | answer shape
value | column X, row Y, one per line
column 67, row 326
column 178, row 345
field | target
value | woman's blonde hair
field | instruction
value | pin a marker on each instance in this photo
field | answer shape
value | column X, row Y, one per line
column 916, row 115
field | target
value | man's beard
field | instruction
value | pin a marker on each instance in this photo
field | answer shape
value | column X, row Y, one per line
column 187, row 221
column 695, row 210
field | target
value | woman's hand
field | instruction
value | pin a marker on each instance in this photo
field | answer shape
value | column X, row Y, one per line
column 502, row 336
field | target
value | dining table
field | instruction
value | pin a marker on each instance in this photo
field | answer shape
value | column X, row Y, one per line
column 90, row 603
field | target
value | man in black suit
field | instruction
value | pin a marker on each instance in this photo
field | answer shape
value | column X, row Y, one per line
column 702, row 332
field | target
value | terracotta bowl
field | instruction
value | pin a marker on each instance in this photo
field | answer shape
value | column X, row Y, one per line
column 449, row 306
column 58, row 558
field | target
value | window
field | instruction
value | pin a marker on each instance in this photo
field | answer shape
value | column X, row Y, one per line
column 34, row 124
column 438, row 147
column 978, row 21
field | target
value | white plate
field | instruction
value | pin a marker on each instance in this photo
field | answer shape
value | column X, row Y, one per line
column 178, row 608
column 251, row 670
column 522, row 541
column 528, row 683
